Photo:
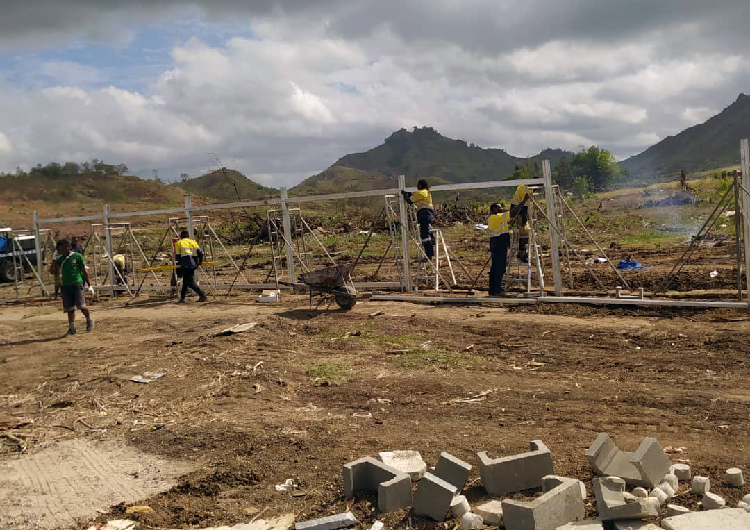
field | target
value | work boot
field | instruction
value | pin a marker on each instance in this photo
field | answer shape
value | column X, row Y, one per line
column 71, row 331
column 203, row 299
column 523, row 257
column 90, row 325
column 181, row 301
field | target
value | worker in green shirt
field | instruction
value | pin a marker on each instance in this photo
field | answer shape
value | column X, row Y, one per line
column 72, row 277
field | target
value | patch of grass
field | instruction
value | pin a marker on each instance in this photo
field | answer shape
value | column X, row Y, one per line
column 331, row 371
column 421, row 358
column 649, row 237
column 401, row 340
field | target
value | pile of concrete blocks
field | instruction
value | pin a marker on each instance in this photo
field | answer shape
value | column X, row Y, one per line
column 438, row 491
column 646, row 467
column 516, row 473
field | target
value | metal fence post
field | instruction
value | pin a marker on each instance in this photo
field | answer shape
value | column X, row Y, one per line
column 287, row 235
column 404, row 217
column 553, row 235
column 189, row 216
column 108, row 235
column 39, row 254
column 745, row 157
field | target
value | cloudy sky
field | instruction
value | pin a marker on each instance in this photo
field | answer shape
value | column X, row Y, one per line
column 279, row 89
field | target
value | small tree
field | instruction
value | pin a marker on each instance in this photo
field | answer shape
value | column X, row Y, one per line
column 581, row 188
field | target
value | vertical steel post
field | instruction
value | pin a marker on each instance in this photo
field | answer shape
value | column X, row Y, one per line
column 287, row 235
column 737, row 237
column 745, row 156
column 189, row 216
column 39, row 254
column 404, row 217
column 553, row 235
column 110, row 254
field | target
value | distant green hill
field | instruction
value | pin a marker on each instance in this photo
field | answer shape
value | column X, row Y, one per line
column 226, row 185
column 421, row 153
column 712, row 144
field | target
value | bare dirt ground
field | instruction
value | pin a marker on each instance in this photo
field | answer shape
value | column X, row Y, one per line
column 300, row 395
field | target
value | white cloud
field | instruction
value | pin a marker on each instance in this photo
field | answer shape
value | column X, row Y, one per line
column 321, row 78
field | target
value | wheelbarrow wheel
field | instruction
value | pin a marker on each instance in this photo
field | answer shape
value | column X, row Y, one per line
column 346, row 298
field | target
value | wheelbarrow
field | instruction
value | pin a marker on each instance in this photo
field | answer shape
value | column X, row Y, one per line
column 331, row 282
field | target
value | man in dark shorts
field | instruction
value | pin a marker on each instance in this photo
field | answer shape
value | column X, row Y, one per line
column 72, row 277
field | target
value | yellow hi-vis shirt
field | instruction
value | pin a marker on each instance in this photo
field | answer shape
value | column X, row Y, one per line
column 521, row 192
column 422, row 199
column 499, row 224
column 187, row 253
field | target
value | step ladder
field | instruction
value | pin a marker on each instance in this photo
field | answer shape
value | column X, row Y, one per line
column 392, row 218
column 524, row 273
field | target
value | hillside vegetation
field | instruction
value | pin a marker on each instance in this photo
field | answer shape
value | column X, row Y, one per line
column 225, row 185
column 709, row 145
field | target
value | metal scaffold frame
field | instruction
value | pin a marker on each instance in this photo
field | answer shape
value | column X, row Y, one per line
column 554, row 202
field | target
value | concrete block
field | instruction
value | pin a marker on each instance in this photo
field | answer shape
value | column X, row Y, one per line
column 409, row 462
column 727, row 519
column 341, row 520
column 459, row 506
column 746, row 499
column 452, row 470
column 611, row 503
column 672, row 480
column 640, row 492
column 562, row 503
column 666, row 488
column 634, row 525
column 629, row 497
column 733, row 477
column 593, row 524
column 645, row 467
column 682, row 471
column 368, row 474
column 659, row 494
column 377, row 525
column 433, row 497
column 491, row 512
column 700, row 486
column 515, row 473
column 711, row 501
column 673, row 509
column 471, row 521
column 745, row 506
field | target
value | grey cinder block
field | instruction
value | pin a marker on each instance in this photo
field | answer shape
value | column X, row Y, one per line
column 611, row 503
column 561, row 504
column 592, row 524
column 369, row 474
column 452, row 470
column 491, row 512
column 700, row 485
column 645, row 467
column 332, row 522
column 711, row 501
column 673, row 509
column 681, row 471
column 729, row 518
column 515, row 473
column 433, row 497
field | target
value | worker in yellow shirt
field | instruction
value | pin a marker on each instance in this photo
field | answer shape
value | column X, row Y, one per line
column 499, row 232
column 521, row 221
column 422, row 200
column 121, row 276
column 188, row 256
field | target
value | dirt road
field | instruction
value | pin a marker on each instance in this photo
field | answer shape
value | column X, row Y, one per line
column 299, row 395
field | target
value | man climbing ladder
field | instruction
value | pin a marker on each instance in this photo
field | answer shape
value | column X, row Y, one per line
column 422, row 200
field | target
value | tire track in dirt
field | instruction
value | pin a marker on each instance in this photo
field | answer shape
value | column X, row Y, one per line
column 70, row 481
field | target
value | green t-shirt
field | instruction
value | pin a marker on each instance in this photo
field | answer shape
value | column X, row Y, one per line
column 72, row 267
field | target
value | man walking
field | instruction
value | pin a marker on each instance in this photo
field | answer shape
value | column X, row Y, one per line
column 188, row 256
column 73, row 274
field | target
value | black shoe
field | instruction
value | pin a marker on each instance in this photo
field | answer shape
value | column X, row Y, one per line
column 203, row 299
column 181, row 301
column 524, row 258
